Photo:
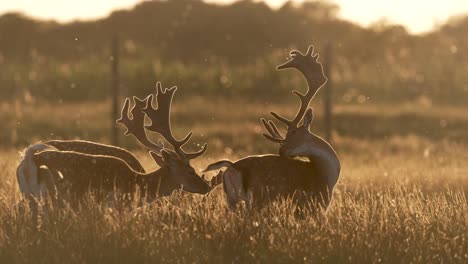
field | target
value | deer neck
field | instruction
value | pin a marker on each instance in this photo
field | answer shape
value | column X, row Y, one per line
column 151, row 181
column 157, row 182
column 321, row 153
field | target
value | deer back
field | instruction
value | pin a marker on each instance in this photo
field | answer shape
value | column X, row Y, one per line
column 94, row 148
column 84, row 172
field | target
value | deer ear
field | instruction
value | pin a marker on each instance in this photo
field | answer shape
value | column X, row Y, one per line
column 158, row 158
column 308, row 118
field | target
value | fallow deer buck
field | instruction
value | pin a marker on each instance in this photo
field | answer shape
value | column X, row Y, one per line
column 258, row 180
column 108, row 175
column 28, row 173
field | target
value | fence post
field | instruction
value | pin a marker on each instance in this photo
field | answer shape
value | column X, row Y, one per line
column 115, row 83
column 17, row 115
column 328, row 93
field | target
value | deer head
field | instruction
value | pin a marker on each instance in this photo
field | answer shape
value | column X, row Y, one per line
column 300, row 141
column 297, row 133
column 175, row 161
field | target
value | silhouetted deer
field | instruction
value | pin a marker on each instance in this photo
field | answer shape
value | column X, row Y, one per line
column 257, row 180
column 106, row 169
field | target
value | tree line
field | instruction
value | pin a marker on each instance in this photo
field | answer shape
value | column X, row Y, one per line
column 380, row 59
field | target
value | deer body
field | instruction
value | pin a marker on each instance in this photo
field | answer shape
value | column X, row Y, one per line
column 258, row 180
column 105, row 174
column 32, row 179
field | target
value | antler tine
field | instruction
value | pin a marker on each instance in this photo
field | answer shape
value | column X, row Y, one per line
column 275, row 129
column 135, row 125
column 310, row 50
column 267, row 126
column 281, row 119
column 272, row 129
column 197, row 154
column 305, row 101
column 124, row 119
column 275, row 135
column 161, row 119
column 273, row 138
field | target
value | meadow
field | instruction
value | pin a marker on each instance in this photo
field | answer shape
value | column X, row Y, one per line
column 401, row 197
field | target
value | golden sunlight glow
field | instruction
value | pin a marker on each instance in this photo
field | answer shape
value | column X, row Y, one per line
column 417, row 15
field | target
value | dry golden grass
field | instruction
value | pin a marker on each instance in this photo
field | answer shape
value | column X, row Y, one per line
column 402, row 200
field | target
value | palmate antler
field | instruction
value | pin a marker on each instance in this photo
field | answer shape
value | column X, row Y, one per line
column 135, row 125
column 312, row 70
column 161, row 122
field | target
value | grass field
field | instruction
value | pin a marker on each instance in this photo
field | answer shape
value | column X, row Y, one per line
column 401, row 197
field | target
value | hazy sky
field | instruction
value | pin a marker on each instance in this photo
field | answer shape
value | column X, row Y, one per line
column 416, row 15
